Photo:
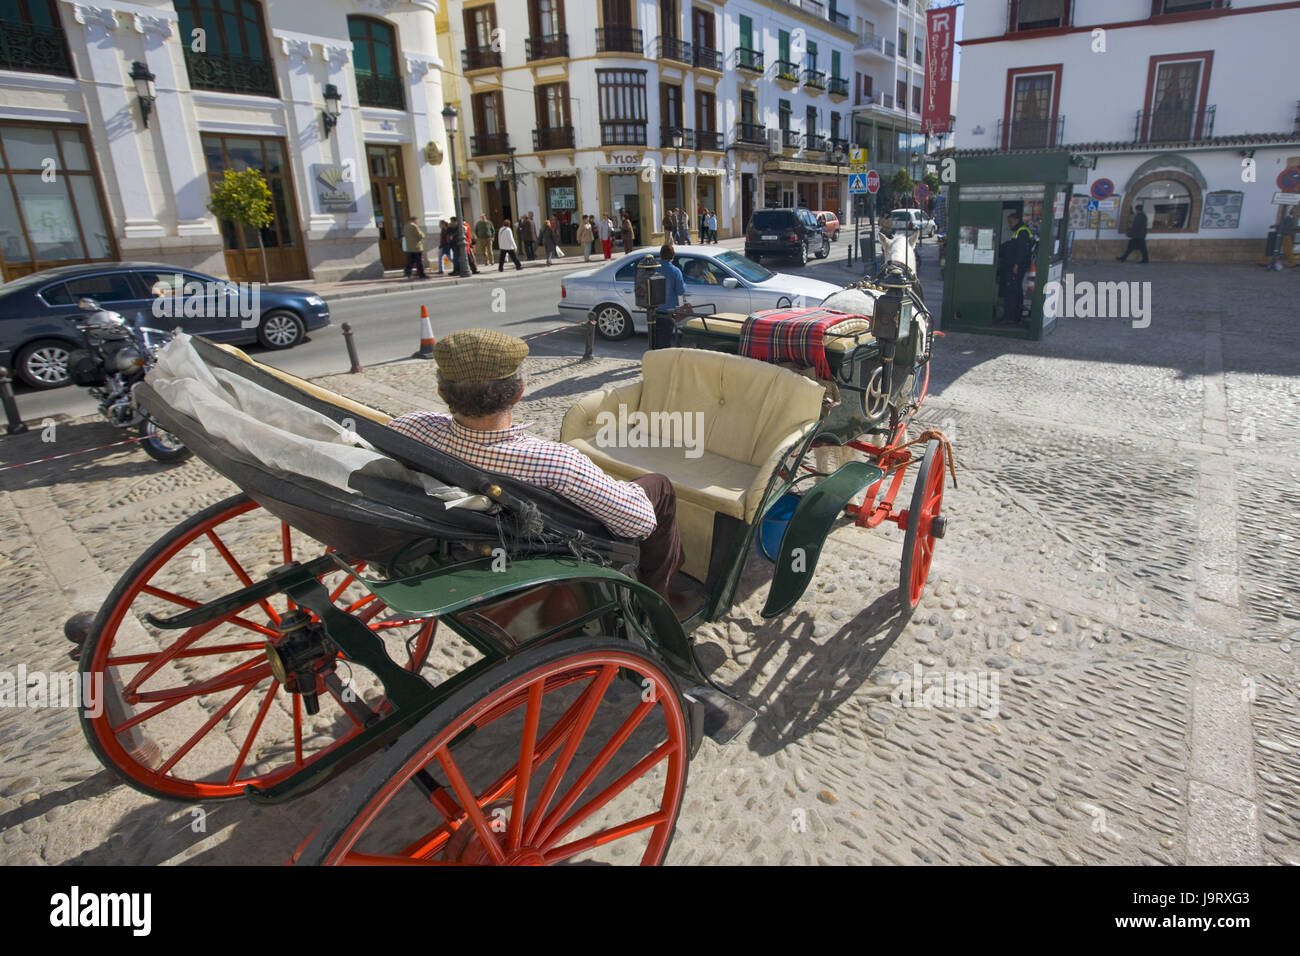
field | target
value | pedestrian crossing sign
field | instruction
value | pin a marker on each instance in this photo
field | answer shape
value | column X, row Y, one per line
column 857, row 184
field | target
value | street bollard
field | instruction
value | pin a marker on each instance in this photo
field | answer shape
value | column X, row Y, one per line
column 352, row 348
column 590, row 353
column 15, row 420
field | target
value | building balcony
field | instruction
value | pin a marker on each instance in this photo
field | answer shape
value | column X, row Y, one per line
column 1173, row 126
column 709, row 140
column 876, row 101
column 666, row 137
column 786, row 71
column 480, row 58
column 751, row 61
column 672, row 48
column 818, row 143
column 707, row 58
column 619, row 40
column 872, row 43
column 814, row 80
column 1031, row 133
column 33, row 49
column 376, row 89
column 1040, row 16
column 841, row 144
column 230, row 74
column 554, row 137
column 623, row 133
column 839, row 86
column 791, row 139
column 489, row 144
column 547, row 47
column 754, row 134
column 840, row 20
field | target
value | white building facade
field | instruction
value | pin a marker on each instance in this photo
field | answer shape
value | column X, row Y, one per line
column 1176, row 100
column 582, row 98
column 94, row 171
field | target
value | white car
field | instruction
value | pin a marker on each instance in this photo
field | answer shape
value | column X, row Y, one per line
column 721, row 279
column 913, row 220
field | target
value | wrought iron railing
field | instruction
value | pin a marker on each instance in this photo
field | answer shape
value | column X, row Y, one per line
column 747, row 59
column 480, row 58
column 708, row 139
column 788, row 71
column 751, row 133
column 489, row 144
column 814, row 79
column 839, row 86
column 707, row 58
column 623, row 133
column 32, row 49
column 666, row 137
column 618, row 40
column 672, row 48
column 841, row 144
column 546, row 47
column 553, row 137
column 1173, row 125
column 230, row 74
column 1031, row 133
column 378, row 89
column 841, row 20
column 791, row 138
column 874, row 43
column 818, row 143
column 1018, row 16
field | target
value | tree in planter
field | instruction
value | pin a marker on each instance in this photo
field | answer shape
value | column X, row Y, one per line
column 903, row 186
column 244, row 198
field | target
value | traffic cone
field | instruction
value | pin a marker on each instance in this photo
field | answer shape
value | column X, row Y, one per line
column 426, row 335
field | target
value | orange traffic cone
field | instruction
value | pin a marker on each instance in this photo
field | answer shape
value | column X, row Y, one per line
column 426, row 335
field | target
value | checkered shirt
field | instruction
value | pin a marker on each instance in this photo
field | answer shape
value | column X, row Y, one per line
column 621, row 505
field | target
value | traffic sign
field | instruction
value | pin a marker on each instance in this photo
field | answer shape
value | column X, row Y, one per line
column 857, row 184
column 1286, row 199
column 857, row 158
column 1288, row 180
column 921, row 192
column 1092, row 205
column 873, row 181
column 1102, row 188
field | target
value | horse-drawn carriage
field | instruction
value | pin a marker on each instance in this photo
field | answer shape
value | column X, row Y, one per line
column 280, row 637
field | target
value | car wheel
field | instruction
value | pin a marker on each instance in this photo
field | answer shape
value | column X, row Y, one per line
column 44, row 363
column 825, row 249
column 803, row 253
column 613, row 322
column 281, row 330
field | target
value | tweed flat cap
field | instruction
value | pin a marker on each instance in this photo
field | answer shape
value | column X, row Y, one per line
column 478, row 355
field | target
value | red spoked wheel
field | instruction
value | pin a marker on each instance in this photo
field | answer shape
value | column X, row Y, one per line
column 575, row 751
column 925, row 525
column 198, row 714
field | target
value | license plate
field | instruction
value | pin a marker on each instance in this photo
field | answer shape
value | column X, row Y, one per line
column 767, row 238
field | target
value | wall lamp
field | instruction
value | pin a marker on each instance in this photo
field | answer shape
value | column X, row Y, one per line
column 144, row 89
column 331, row 114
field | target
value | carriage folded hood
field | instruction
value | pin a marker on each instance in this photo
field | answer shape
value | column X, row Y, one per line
column 283, row 435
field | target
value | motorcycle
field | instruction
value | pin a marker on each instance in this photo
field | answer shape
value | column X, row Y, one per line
column 117, row 356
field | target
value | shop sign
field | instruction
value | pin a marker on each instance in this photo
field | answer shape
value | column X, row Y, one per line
column 335, row 191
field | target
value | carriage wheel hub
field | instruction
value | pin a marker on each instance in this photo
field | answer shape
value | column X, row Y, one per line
column 938, row 526
column 301, row 657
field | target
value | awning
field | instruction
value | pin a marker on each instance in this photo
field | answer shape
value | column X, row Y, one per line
column 796, row 166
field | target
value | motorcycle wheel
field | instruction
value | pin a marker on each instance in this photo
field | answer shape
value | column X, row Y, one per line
column 162, row 445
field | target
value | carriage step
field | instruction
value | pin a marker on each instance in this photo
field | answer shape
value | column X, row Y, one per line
column 724, row 717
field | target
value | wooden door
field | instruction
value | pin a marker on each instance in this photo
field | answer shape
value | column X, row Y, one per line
column 388, row 193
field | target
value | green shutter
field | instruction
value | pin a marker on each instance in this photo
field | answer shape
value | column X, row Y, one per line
column 783, row 48
column 835, row 64
column 812, row 55
column 747, row 32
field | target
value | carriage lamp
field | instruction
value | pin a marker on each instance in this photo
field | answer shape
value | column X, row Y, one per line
column 331, row 114
column 144, row 89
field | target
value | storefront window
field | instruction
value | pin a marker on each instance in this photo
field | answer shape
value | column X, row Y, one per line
column 1167, row 204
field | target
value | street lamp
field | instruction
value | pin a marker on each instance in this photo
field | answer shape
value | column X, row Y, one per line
column 331, row 115
column 449, row 117
column 144, row 89
column 837, row 157
column 681, row 179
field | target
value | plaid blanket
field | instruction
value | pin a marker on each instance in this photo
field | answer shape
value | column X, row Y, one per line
column 789, row 335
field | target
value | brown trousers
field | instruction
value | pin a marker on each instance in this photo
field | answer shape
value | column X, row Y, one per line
column 661, row 551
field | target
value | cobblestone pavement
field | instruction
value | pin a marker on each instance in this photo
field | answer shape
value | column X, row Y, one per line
column 1122, row 555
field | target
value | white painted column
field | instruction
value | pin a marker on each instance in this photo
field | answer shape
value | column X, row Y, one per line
column 426, row 125
column 303, row 119
column 120, row 115
column 182, row 151
column 350, row 138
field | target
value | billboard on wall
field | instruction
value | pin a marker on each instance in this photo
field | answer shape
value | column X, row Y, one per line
column 937, row 102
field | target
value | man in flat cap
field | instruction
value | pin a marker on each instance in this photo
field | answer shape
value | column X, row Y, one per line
column 480, row 380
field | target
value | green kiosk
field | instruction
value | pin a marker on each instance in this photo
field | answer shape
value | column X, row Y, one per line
column 989, row 188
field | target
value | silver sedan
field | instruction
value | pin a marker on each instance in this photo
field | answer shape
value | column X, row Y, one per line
column 721, row 279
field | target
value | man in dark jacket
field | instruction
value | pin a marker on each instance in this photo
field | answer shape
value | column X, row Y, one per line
column 1015, row 260
column 528, row 236
column 1137, row 236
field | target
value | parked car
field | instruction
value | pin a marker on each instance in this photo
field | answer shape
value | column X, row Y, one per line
column 912, row 220
column 829, row 222
column 790, row 233
column 720, row 278
column 38, row 313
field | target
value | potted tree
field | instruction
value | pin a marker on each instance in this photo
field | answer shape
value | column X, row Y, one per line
column 244, row 198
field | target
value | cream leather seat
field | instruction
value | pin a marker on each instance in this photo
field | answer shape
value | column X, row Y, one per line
column 750, row 413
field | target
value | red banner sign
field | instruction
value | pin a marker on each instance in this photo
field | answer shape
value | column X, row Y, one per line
column 940, row 29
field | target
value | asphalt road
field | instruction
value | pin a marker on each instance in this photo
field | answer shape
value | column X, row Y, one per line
column 386, row 326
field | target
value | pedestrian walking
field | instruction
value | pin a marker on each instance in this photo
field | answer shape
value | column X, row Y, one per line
column 1137, row 236
column 413, row 243
column 469, row 247
column 713, row 227
column 606, row 232
column 585, row 238
column 683, row 227
column 483, row 233
column 506, row 246
column 444, row 245
column 528, row 236
column 670, row 227
column 549, row 239
column 628, row 234
column 703, row 220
